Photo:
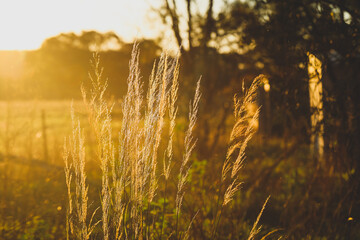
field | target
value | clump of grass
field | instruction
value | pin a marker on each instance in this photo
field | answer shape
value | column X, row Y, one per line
column 74, row 157
column 130, row 172
column 100, row 120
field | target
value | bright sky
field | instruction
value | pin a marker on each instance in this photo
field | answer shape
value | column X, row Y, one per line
column 24, row 24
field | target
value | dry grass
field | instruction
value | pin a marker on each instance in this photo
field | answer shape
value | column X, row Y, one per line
column 74, row 151
column 131, row 172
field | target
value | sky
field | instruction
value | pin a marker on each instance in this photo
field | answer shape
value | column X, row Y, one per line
column 25, row 24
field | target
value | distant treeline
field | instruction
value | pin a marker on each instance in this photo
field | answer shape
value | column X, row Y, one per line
column 62, row 64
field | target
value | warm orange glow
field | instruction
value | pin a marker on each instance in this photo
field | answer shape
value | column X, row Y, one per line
column 25, row 24
column 11, row 64
column 267, row 87
column 316, row 103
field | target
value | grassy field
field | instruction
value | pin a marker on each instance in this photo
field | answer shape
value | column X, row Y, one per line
column 34, row 195
column 133, row 171
column 141, row 196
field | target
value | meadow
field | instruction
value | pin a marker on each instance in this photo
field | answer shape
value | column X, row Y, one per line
column 130, row 168
column 248, row 129
column 35, row 201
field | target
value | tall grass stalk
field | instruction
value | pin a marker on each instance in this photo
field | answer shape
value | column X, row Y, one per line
column 189, row 143
column 243, row 130
column 100, row 120
column 255, row 229
column 168, row 157
column 74, row 157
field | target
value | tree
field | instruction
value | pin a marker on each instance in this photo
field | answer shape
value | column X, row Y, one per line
column 274, row 37
column 200, row 56
column 87, row 40
column 284, row 32
column 61, row 65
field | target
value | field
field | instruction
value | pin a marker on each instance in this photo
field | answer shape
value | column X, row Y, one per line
column 144, row 200
column 180, row 119
column 101, row 195
column 33, row 190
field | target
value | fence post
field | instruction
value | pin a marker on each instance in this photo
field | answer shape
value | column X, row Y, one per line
column 45, row 144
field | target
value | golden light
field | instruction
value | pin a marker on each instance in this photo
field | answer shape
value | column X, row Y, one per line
column 25, row 24
column 266, row 85
column 316, row 103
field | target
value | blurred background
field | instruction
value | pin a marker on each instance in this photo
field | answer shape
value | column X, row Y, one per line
column 306, row 153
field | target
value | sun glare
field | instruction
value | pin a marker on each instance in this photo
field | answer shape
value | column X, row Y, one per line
column 24, row 24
